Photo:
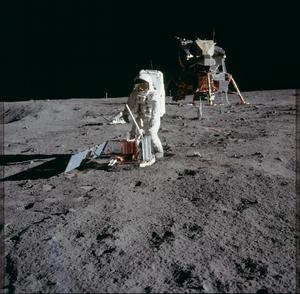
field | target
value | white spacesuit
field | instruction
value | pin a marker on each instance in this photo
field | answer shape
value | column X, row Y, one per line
column 147, row 102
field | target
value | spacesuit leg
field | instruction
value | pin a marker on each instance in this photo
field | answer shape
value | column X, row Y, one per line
column 153, row 131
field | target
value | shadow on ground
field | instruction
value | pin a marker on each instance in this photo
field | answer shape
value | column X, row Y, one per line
column 43, row 171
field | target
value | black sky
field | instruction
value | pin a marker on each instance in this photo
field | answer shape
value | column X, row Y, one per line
column 60, row 49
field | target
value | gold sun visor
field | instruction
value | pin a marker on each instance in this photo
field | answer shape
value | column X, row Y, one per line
column 141, row 85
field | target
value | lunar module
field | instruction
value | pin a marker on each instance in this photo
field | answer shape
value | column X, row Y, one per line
column 203, row 71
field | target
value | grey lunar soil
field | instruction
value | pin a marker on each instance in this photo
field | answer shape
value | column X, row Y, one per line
column 217, row 214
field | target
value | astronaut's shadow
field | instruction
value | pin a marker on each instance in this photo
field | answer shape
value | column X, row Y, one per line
column 56, row 164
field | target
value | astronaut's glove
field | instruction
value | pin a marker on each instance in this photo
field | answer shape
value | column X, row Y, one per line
column 140, row 134
column 126, row 118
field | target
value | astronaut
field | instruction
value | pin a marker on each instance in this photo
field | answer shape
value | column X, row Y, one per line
column 147, row 103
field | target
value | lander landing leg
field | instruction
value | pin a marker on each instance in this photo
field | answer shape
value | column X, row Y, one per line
column 210, row 97
column 238, row 91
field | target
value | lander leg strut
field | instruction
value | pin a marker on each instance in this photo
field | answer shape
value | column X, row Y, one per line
column 238, row 91
column 209, row 90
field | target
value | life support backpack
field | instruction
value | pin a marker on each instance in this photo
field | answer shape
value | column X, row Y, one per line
column 157, row 79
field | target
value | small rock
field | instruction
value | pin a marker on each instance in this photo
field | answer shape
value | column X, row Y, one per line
column 29, row 205
column 29, row 184
column 138, row 183
column 194, row 154
column 208, row 287
column 28, row 150
column 88, row 188
column 23, row 183
column 79, row 235
column 258, row 154
column 236, row 156
column 246, row 201
column 283, row 183
column 190, row 172
column 48, row 188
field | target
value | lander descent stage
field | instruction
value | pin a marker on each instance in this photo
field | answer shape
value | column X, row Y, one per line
column 203, row 71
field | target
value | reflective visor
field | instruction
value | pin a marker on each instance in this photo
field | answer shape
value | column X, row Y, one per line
column 141, row 86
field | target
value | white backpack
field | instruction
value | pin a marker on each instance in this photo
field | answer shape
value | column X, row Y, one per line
column 158, row 85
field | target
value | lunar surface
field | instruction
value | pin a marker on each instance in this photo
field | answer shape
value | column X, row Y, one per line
column 216, row 214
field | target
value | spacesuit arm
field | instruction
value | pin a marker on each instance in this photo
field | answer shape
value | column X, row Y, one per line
column 155, row 117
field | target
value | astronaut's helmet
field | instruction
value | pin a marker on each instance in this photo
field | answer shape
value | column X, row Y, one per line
column 141, row 85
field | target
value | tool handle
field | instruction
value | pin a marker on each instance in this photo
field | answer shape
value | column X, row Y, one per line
column 137, row 126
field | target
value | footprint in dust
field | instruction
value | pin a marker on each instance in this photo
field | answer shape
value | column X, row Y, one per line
column 157, row 240
column 138, row 184
column 106, row 233
column 245, row 203
column 221, row 287
column 182, row 276
column 29, row 205
column 193, row 230
column 185, row 278
column 105, row 247
column 251, row 269
column 190, row 172
column 186, row 172
column 79, row 235
column 103, row 236
column 109, row 250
